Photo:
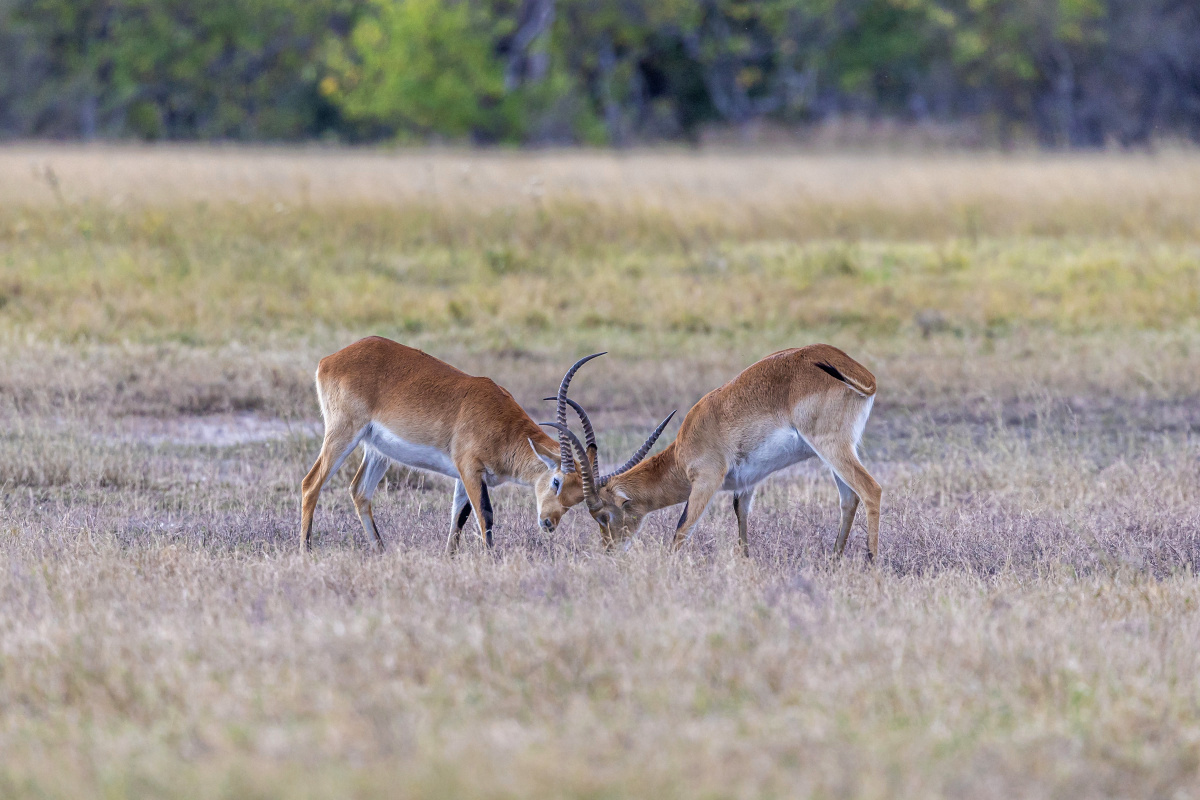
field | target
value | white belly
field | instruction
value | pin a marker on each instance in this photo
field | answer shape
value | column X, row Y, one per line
column 781, row 449
column 418, row 456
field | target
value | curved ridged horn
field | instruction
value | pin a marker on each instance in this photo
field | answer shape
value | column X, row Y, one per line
column 586, row 474
column 589, row 433
column 566, row 463
column 640, row 454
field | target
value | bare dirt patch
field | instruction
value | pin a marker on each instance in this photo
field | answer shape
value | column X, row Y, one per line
column 214, row 430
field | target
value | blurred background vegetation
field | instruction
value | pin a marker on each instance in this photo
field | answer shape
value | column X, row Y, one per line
column 1063, row 73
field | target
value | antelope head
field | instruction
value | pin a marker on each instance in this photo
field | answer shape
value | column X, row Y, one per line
column 561, row 485
column 616, row 512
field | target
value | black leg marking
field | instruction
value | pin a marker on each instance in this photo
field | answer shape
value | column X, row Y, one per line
column 462, row 516
column 487, row 511
column 736, row 510
column 682, row 517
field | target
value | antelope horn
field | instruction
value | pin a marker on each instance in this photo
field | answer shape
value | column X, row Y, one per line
column 566, row 463
column 586, row 474
column 640, row 454
column 589, row 433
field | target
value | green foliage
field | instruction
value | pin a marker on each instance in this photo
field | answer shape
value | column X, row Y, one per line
column 595, row 71
column 241, row 69
column 1004, row 42
column 887, row 50
column 424, row 67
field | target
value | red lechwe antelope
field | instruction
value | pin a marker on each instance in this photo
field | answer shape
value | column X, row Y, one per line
column 788, row 407
column 405, row 405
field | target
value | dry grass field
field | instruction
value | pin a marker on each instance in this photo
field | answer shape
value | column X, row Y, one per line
column 1030, row 630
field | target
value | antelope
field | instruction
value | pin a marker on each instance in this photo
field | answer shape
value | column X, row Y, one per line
column 404, row 405
column 788, row 407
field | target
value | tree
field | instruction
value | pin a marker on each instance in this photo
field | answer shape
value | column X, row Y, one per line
column 425, row 67
column 172, row 68
column 1072, row 72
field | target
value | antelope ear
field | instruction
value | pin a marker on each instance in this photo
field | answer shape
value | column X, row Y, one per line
column 551, row 464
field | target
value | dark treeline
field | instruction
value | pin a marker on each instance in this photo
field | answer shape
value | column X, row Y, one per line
column 1075, row 73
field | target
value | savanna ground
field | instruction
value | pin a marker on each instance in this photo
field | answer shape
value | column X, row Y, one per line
column 1031, row 629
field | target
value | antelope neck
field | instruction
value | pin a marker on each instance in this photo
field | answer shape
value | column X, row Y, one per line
column 657, row 482
column 527, row 467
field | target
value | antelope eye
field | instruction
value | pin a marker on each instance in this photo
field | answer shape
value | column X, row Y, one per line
column 556, row 485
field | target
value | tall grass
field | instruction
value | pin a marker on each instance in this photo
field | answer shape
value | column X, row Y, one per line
column 204, row 247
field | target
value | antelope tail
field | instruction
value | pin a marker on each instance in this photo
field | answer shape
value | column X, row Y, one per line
column 851, row 373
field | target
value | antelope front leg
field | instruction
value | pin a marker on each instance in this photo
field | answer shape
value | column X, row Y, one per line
column 480, row 503
column 742, row 503
column 486, row 522
column 460, row 512
column 697, row 502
